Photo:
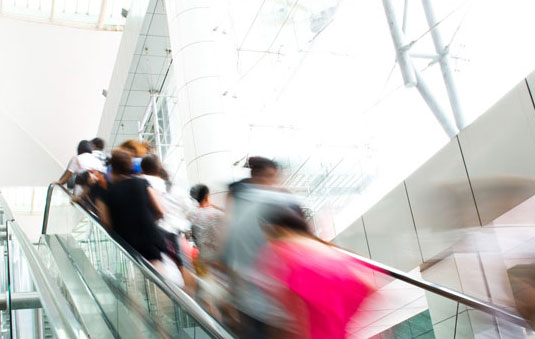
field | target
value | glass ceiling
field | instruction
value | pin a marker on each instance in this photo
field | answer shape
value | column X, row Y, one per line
column 318, row 86
column 93, row 14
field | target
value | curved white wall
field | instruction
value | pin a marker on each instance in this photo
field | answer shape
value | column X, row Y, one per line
column 51, row 80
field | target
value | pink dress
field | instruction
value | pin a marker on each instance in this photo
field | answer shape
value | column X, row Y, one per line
column 320, row 287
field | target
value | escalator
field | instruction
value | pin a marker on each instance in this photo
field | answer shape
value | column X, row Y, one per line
column 131, row 297
column 31, row 305
column 97, row 286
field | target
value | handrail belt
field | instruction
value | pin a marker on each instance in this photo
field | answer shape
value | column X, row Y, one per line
column 395, row 273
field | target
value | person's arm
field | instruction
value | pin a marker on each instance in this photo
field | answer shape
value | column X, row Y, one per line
column 103, row 213
column 64, row 178
column 72, row 168
column 155, row 202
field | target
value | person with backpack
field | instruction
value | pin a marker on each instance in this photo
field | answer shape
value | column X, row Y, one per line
column 80, row 163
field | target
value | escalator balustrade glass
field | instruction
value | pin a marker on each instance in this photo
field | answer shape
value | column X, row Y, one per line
column 166, row 309
column 402, row 306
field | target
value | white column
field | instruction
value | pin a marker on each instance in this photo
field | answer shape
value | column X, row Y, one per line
column 199, row 62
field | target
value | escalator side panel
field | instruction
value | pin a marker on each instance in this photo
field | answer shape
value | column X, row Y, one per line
column 125, row 320
column 81, row 300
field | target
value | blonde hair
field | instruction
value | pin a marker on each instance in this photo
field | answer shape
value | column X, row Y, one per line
column 136, row 148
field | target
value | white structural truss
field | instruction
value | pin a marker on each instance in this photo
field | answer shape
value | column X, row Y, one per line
column 413, row 78
column 150, row 126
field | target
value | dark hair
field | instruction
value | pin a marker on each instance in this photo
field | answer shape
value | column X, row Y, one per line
column 259, row 164
column 199, row 192
column 121, row 162
column 98, row 143
column 165, row 177
column 162, row 173
column 151, row 165
column 82, row 179
column 84, row 146
column 289, row 217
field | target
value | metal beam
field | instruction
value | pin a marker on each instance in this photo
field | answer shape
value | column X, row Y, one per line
column 435, row 107
column 156, row 127
column 405, row 16
column 444, row 60
column 20, row 301
column 412, row 76
column 430, row 56
column 139, row 131
column 402, row 49
column 146, row 116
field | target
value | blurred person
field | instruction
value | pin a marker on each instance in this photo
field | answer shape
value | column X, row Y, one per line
column 148, row 147
column 152, row 171
column 87, row 196
column 207, row 225
column 259, row 312
column 98, row 151
column 130, row 208
column 82, row 162
column 175, row 221
column 178, row 206
column 137, row 150
column 90, row 184
column 189, row 250
column 207, row 222
column 263, row 172
column 319, row 287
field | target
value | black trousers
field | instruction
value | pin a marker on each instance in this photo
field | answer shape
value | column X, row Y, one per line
column 172, row 247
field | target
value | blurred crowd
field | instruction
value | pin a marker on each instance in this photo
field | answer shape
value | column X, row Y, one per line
column 254, row 263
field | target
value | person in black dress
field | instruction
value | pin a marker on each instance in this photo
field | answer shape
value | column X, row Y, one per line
column 130, row 208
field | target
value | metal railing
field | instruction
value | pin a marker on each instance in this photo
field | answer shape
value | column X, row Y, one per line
column 176, row 294
column 57, row 309
column 197, row 311
column 445, row 292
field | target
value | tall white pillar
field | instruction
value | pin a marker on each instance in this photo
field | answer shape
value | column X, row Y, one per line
column 200, row 59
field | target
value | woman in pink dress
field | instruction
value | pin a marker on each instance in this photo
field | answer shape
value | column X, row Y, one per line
column 320, row 287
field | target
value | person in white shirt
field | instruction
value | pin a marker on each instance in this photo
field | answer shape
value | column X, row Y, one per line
column 150, row 171
column 84, row 161
column 176, row 203
column 175, row 208
column 98, row 151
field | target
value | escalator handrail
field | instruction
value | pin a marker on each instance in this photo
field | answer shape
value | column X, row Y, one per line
column 52, row 300
column 395, row 273
column 445, row 292
column 178, row 295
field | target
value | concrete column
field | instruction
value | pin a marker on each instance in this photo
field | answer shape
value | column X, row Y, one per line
column 200, row 59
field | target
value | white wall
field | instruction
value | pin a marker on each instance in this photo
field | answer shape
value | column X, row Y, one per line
column 51, row 80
